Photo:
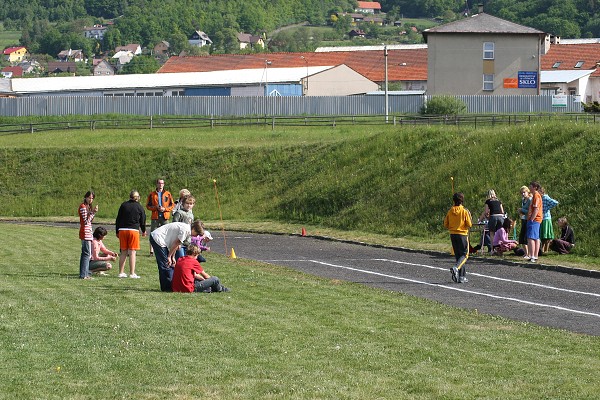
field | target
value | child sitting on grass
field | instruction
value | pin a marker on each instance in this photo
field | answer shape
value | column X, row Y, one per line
column 100, row 254
column 566, row 242
column 501, row 241
column 189, row 276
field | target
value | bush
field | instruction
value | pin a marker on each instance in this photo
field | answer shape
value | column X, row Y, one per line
column 591, row 107
column 444, row 105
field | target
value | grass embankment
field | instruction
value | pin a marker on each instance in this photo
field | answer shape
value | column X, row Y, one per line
column 389, row 181
column 277, row 334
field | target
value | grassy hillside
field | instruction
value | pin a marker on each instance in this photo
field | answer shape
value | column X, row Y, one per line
column 387, row 180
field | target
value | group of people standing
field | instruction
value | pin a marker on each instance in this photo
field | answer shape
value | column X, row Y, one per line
column 178, row 270
column 536, row 236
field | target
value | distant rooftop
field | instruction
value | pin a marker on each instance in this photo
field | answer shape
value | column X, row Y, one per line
column 482, row 23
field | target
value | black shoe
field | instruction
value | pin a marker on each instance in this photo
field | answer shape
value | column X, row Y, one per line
column 454, row 272
column 476, row 248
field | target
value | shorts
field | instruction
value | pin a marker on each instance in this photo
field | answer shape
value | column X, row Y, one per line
column 495, row 222
column 157, row 223
column 533, row 230
column 97, row 264
column 546, row 230
column 129, row 240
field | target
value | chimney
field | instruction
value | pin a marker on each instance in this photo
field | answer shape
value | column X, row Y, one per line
column 480, row 6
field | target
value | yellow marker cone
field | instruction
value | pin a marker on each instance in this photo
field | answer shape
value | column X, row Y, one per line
column 233, row 253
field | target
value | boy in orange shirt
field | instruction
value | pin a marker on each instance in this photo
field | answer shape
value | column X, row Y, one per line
column 534, row 220
column 458, row 222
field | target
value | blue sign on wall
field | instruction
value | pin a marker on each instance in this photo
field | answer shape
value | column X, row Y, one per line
column 528, row 79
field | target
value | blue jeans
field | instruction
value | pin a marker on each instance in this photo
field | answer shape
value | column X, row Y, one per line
column 84, row 260
column 212, row 284
column 165, row 273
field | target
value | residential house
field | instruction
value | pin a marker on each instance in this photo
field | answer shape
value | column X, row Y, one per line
column 57, row 67
column 102, row 68
column 12, row 72
column 71, row 55
column 95, row 32
column 362, row 18
column 483, row 55
column 122, row 57
column 15, row 54
column 368, row 7
column 161, row 49
column 199, row 39
column 133, row 48
column 356, row 33
column 30, row 66
column 247, row 40
column 572, row 67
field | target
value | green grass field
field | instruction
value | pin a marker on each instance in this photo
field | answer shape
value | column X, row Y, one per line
column 277, row 334
column 9, row 38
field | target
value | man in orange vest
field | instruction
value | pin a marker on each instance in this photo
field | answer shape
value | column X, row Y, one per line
column 161, row 203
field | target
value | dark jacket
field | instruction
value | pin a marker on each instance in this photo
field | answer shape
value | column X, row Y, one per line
column 131, row 216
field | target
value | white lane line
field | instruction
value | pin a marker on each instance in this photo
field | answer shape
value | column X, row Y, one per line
column 493, row 296
column 495, row 278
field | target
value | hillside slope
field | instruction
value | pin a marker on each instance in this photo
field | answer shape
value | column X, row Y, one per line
column 395, row 182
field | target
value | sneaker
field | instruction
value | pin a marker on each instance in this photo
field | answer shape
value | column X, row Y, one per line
column 454, row 272
column 533, row 260
column 87, row 278
column 102, row 273
column 122, row 275
column 527, row 257
column 463, row 279
column 134, row 276
column 224, row 289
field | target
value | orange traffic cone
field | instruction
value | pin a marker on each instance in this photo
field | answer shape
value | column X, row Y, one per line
column 303, row 231
column 233, row 253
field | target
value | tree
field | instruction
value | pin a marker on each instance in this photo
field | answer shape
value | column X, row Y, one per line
column 141, row 65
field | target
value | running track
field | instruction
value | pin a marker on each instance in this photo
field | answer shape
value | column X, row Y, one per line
column 543, row 297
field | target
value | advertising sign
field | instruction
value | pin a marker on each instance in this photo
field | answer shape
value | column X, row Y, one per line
column 528, row 79
column 559, row 100
column 511, row 83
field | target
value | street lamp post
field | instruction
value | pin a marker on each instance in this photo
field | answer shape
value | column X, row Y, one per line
column 306, row 83
column 387, row 104
column 267, row 63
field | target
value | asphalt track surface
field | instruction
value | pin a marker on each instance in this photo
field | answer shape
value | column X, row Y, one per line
column 544, row 297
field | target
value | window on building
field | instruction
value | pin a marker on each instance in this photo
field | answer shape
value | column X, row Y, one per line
column 488, row 81
column 556, row 64
column 488, row 50
column 572, row 91
column 579, row 64
column 548, row 91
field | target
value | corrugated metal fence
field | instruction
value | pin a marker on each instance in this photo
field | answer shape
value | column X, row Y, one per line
column 270, row 106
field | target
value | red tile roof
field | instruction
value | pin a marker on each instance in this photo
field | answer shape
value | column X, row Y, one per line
column 569, row 55
column 16, row 71
column 403, row 64
column 369, row 4
column 12, row 49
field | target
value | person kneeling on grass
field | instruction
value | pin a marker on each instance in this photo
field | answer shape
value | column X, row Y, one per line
column 501, row 241
column 189, row 276
column 100, row 254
